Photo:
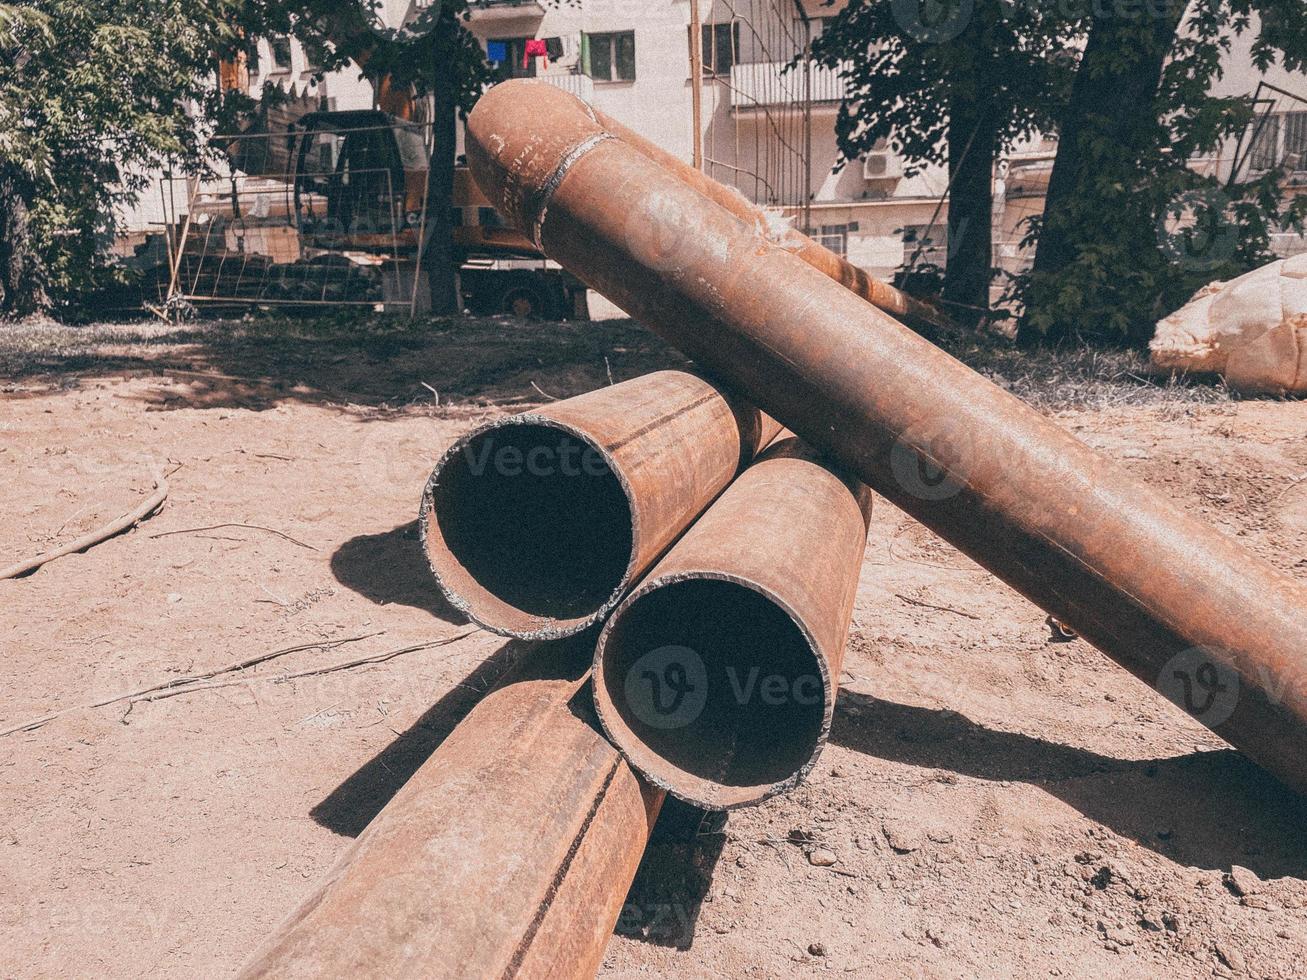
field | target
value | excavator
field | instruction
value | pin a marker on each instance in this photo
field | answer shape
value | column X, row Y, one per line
column 329, row 206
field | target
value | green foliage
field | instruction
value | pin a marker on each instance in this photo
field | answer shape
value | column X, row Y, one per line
column 1143, row 229
column 911, row 64
column 94, row 93
column 949, row 81
column 902, row 71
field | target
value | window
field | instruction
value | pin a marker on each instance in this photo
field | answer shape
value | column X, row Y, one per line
column 1279, row 139
column 1265, row 151
column 835, row 238
column 721, row 42
column 281, row 53
column 931, row 239
column 1295, row 141
column 609, row 57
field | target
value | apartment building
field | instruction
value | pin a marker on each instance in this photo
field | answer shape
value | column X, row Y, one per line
column 766, row 125
column 765, row 128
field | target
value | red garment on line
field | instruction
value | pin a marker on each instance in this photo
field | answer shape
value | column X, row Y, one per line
column 535, row 48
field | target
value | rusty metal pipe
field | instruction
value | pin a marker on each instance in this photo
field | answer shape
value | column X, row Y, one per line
column 508, row 854
column 1181, row 605
column 717, row 677
column 537, row 525
column 879, row 294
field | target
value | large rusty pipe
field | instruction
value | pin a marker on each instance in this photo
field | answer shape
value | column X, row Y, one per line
column 718, row 676
column 1169, row 597
column 536, row 525
column 879, row 294
column 509, row 853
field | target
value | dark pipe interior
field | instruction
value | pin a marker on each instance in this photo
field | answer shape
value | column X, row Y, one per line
column 763, row 697
column 537, row 519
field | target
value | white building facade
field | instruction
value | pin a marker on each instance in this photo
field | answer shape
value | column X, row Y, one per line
column 764, row 128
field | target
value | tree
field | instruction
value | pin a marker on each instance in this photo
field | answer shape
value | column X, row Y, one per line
column 97, row 94
column 953, row 82
column 93, row 95
column 1107, row 267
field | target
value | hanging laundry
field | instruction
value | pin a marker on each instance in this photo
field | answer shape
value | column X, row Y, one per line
column 554, row 47
column 497, row 52
column 535, row 48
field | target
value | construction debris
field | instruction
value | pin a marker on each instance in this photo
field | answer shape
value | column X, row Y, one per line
column 1252, row 331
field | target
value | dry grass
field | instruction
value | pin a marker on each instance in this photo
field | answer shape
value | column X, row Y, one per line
column 1085, row 378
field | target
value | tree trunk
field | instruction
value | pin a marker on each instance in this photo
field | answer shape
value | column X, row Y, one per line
column 22, row 291
column 972, row 144
column 1109, row 123
column 440, row 261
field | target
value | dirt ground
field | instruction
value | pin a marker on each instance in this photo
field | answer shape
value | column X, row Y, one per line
column 999, row 805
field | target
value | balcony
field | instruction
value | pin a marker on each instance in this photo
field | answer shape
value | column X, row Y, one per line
column 582, row 86
column 493, row 10
column 767, row 84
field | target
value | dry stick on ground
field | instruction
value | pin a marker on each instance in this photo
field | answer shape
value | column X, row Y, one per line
column 36, row 723
column 215, row 527
column 1292, row 483
column 380, row 658
column 931, row 605
column 127, row 521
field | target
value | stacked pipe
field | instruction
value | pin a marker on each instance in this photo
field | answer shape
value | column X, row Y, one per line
column 510, row 851
column 452, row 880
column 1165, row 595
column 717, row 557
column 717, row 676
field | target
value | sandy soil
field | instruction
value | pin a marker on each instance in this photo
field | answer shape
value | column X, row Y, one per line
column 1000, row 805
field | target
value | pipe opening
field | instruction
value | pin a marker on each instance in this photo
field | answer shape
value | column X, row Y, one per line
column 536, row 518
column 713, row 690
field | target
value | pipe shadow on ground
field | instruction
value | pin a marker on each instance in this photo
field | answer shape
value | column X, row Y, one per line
column 1210, row 809
column 391, row 568
column 663, row 905
column 353, row 804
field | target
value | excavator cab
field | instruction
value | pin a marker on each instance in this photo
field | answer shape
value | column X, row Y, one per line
column 359, row 178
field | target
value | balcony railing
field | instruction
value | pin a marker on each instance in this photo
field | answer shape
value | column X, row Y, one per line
column 582, row 86
column 488, row 9
column 768, row 83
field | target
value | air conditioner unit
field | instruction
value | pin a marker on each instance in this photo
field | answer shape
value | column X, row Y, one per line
column 881, row 165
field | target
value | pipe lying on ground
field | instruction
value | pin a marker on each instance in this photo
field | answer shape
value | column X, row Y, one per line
column 877, row 293
column 1181, row 605
column 717, row 677
column 537, row 525
column 509, row 853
